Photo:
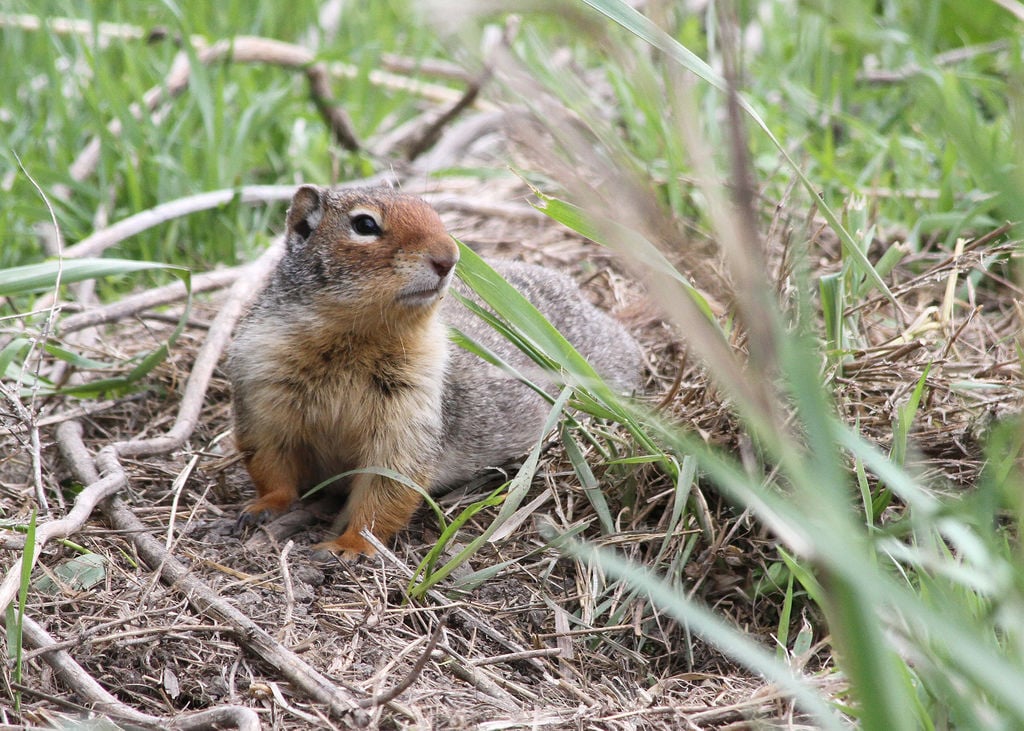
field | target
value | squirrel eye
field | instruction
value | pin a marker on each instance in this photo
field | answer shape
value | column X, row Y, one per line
column 365, row 225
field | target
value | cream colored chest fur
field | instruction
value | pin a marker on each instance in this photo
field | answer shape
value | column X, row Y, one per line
column 350, row 406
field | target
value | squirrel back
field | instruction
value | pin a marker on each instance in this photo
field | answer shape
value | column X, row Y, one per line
column 344, row 363
column 490, row 416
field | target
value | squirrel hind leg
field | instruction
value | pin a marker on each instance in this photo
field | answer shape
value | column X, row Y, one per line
column 377, row 503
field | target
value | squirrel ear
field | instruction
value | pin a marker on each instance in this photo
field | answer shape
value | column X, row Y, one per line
column 305, row 212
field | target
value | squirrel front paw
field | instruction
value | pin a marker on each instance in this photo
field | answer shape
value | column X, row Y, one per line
column 259, row 511
column 349, row 545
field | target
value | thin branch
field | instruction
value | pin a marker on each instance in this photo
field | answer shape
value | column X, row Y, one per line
column 75, row 677
column 429, row 135
column 85, row 504
column 142, row 301
column 102, row 240
column 336, row 116
column 389, row 695
column 203, row 598
column 478, row 625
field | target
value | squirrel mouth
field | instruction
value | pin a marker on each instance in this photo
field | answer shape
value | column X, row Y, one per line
column 420, row 297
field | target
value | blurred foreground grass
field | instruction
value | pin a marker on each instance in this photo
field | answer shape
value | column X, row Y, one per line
column 904, row 117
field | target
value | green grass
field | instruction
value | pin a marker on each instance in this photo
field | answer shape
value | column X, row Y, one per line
column 920, row 589
column 236, row 123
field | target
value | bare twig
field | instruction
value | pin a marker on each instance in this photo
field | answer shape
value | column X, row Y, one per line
column 289, row 590
column 204, row 599
column 483, row 628
column 75, row 677
column 142, row 301
column 85, row 504
column 101, row 240
column 250, row 49
column 337, row 118
column 429, row 135
column 399, row 688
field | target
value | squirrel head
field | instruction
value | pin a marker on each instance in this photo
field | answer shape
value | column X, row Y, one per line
column 376, row 253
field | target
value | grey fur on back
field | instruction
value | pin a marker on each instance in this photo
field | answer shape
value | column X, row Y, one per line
column 488, row 414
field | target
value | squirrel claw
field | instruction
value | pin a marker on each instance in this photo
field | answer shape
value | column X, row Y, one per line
column 248, row 520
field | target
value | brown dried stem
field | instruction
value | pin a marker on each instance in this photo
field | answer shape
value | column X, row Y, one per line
column 203, row 599
column 74, row 676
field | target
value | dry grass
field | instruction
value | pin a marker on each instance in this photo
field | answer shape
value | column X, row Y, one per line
column 548, row 641
column 527, row 647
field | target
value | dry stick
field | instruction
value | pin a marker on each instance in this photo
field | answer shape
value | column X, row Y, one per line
column 450, row 150
column 437, row 68
column 289, row 591
column 947, row 58
column 389, row 695
column 243, row 49
column 65, row 666
column 401, row 66
column 429, row 135
column 337, row 118
column 142, row 301
column 100, row 241
column 125, row 32
column 85, row 503
column 204, row 599
column 251, row 49
column 77, row 678
column 476, row 623
column 241, row 293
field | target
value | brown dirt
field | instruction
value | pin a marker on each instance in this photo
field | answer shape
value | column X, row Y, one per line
column 587, row 652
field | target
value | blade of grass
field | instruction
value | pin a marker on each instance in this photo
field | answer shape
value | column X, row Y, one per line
column 905, row 419
column 517, row 490
column 591, row 487
column 636, row 23
column 42, row 277
column 724, row 636
column 15, row 636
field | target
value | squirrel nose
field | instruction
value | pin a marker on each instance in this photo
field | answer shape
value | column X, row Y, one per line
column 443, row 264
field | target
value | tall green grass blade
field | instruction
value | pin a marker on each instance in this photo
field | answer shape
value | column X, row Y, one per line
column 637, row 247
column 905, row 415
column 45, row 276
column 685, row 481
column 16, row 615
column 544, row 344
column 421, row 582
column 591, row 487
column 41, row 277
column 534, row 329
column 727, row 638
column 636, row 23
column 12, row 352
column 833, row 307
column 785, row 617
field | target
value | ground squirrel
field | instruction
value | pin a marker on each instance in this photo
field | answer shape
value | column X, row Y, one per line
column 344, row 362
